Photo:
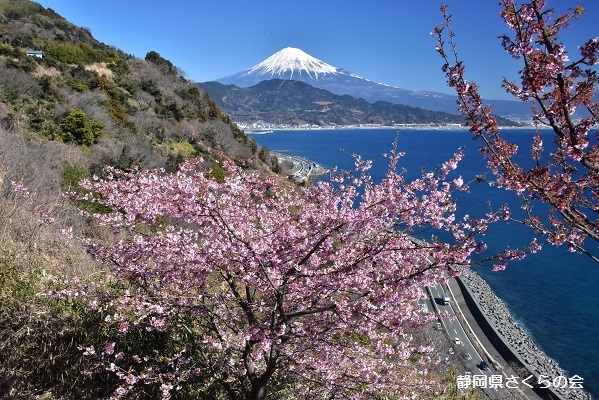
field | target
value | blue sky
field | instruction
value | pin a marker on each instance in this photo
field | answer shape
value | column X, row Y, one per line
column 386, row 41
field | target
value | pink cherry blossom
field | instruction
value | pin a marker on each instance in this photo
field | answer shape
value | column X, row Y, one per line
column 556, row 84
column 318, row 284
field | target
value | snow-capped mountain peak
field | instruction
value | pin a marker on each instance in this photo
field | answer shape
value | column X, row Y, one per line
column 294, row 64
column 289, row 62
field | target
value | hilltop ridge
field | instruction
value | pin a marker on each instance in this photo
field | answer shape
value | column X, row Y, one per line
column 144, row 105
column 296, row 103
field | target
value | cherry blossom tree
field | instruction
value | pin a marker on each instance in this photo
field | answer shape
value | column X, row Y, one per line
column 272, row 289
column 557, row 84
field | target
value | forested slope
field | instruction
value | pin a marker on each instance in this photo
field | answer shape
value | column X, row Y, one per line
column 86, row 94
column 65, row 115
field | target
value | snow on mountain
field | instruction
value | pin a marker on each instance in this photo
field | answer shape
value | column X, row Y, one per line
column 294, row 64
column 292, row 61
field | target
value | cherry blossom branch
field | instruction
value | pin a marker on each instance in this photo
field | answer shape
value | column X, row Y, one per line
column 557, row 88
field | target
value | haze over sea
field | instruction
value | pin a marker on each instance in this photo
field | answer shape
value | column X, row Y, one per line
column 554, row 294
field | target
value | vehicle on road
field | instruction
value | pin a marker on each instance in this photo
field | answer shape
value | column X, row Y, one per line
column 457, row 341
column 483, row 366
column 467, row 356
column 446, row 298
column 451, row 351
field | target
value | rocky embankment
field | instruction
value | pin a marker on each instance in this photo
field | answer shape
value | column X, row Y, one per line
column 300, row 169
column 515, row 338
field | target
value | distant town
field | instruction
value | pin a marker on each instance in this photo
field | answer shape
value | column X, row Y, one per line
column 265, row 127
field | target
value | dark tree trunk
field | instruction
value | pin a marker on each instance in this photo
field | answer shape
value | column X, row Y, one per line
column 260, row 384
column 258, row 391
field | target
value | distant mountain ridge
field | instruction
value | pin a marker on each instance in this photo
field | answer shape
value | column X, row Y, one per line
column 294, row 64
column 280, row 101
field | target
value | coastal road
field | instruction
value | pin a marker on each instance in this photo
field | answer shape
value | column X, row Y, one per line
column 302, row 168
column 462, row 351
column 463, row 348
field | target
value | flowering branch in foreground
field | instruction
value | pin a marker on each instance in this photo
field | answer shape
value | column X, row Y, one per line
column 567, row 178
column 310, row 290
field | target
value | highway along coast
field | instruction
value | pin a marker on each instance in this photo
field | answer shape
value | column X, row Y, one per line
column 505, row 345
column 298, row 168
column 427, row 148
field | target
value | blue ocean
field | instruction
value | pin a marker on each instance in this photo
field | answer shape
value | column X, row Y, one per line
column 553, row 294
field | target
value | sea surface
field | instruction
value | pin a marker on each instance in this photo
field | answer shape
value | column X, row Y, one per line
column 554, row 294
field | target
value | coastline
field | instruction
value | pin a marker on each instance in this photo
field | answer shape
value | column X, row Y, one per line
column 510, row 339
column 265, row 128
column 303, row 169
column 310, row 144
column 503, row 332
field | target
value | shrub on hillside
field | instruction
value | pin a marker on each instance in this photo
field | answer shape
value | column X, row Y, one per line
column 78, row 128
column 76, row 54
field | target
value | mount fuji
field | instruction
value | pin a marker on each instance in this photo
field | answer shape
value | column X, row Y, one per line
column 294, row 64
column 289, row 64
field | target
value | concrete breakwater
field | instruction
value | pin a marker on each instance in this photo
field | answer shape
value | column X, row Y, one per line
column 301, row 169
column 511, row 340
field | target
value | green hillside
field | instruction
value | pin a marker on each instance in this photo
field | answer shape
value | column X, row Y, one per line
column 80, row 92
column 70, row 105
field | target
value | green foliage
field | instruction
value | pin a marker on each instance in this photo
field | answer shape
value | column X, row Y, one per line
column 173, row 161
column 10, row 93
column 166, row 66
column 116, row 104
column 64, row 52
column 22, row 62
column 192, row 109
column 129, row 86
column 214, row 112
column 191, row 94
column 184, row 147
column 72, row 174
column 76, row 54
column 245, row 139
column 119, row 67
column 6, row 50
column 78, row 128
column 44, row 122
column 148, row 85
column 49, row 88
column 82, row 80
column 276, row 167
column 178, row 152
column 17, row 9
column 218, row 173
column 264, row 155
column 94, row 55
column 79, row 86
column 40, row 337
